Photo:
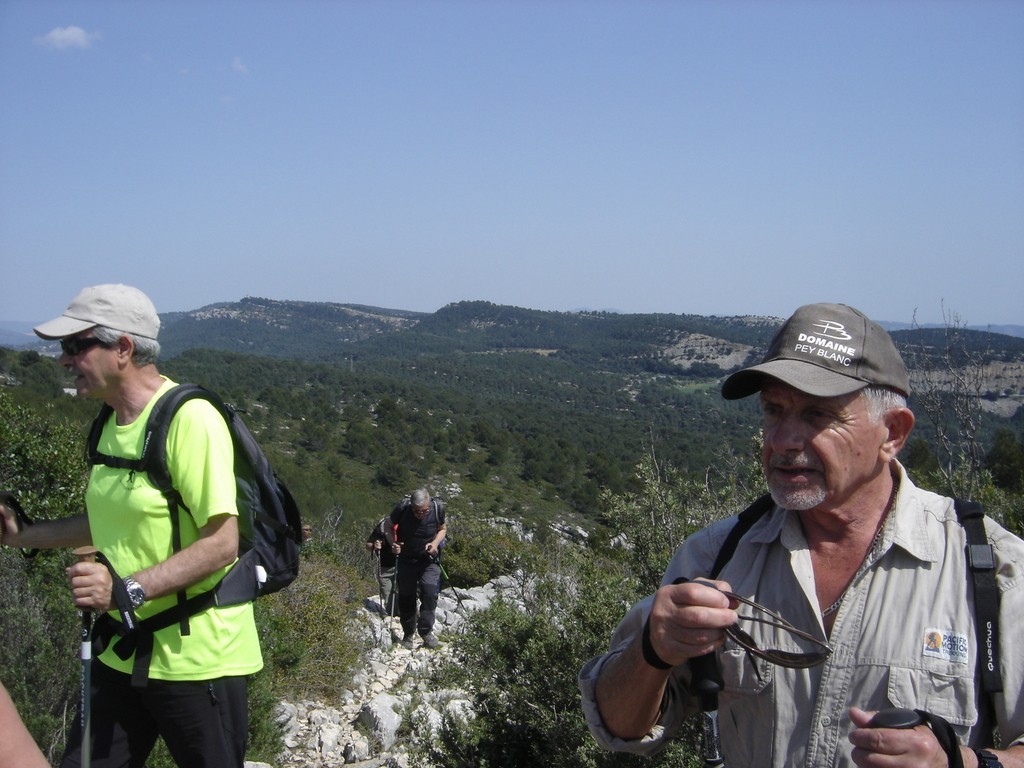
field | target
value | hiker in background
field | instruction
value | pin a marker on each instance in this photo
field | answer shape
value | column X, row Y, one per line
column 196, row 696
column 851, row 553
column 416, row 533
column 17, row 749
column 384, row 564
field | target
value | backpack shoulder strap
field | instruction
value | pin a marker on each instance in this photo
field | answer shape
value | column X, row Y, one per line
column 154, row 462
column 92, row 453
column 745, row 520
column 154, row 446
column 153, row 458
column 706, row 678
column 404, row 509
column 982, row 564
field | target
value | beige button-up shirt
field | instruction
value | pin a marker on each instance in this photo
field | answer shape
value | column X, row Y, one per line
column 904, row 636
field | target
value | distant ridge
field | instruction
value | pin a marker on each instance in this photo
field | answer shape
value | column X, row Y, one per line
column 511, row 351
column 304, row 329
column 1006, row 330
column 696, row 346
column 275, row 328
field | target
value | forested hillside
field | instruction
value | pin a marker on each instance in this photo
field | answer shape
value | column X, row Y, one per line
column 529, row 413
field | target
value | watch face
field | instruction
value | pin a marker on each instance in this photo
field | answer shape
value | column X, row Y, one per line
column 135, row 593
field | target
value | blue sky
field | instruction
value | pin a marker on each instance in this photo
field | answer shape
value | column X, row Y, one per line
column 689, row 157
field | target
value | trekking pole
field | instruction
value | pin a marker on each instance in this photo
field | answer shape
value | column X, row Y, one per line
column 454, row 591
column 86, row 555
column 706, row 681
column 384, row 629
column 393, row 596
column 394, row 575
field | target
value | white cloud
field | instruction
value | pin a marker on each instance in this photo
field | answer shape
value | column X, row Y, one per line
column 60, row 38
column 238, row 66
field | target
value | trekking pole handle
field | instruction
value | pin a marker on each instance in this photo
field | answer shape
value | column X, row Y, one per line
column 896, row 718
column 706, row 682
column 86, row 554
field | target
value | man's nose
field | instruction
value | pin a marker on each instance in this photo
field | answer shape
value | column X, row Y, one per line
column 784, row 434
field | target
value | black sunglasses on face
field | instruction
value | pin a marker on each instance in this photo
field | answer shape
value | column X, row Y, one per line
column 790, row 659
column 76, row 345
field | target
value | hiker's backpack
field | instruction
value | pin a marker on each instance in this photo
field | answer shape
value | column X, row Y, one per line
column 269, row 524
column 980, row 561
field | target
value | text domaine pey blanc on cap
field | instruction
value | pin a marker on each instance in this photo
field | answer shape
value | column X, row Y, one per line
column 825, row 350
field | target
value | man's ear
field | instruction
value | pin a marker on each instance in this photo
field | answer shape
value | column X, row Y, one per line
column 899, row 423
column 125, row 349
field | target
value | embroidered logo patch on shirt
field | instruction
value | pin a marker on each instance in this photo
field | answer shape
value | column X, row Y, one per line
column 945, row 644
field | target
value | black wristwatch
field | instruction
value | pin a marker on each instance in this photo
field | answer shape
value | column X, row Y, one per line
column 986, row 759
column 137, row 594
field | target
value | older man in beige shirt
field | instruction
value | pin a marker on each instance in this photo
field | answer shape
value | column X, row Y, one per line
column 852, row 554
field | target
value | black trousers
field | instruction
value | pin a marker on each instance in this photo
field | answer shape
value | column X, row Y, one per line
column 205, row 724
column 424, row 576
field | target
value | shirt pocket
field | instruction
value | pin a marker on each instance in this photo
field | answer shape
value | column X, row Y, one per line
column 745, row 707
column 739, row 675
column 950, row 696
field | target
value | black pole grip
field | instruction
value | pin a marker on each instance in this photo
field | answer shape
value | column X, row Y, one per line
column 896, row 718
column 911, row 718
column 706, row 680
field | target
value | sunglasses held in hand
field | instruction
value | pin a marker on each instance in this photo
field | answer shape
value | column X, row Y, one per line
column 790, row 659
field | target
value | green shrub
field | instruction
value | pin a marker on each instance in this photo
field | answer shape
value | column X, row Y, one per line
column 521, row 667
column 478, row 551
column 310, row 635
column 41, row 461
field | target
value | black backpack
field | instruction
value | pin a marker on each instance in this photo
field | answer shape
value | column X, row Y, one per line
column 269, row 523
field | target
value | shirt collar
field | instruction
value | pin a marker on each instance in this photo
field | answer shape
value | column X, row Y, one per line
column 909, row 523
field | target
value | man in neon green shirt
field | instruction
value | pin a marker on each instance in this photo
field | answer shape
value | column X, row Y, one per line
column 196, row 697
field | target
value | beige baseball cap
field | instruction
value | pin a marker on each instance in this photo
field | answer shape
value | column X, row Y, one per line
column 825, row 350
column 113, row 305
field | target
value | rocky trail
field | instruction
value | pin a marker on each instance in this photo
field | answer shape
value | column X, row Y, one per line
column 363, row 729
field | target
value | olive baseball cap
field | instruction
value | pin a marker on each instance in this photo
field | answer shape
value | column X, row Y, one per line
column 825, row 350
column 116, row 306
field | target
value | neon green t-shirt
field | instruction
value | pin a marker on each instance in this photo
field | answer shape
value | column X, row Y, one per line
column 131, row 525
